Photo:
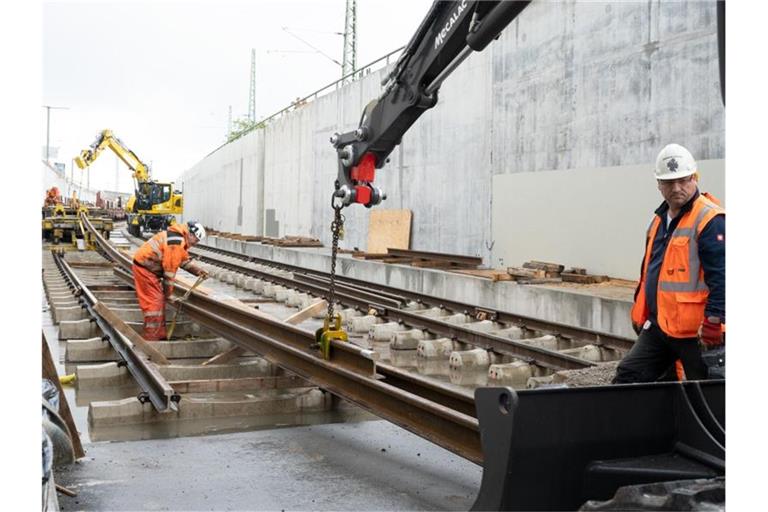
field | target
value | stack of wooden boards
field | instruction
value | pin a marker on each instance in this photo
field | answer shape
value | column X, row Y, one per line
column 542, row 272
column 421, row 258
column 286, row 241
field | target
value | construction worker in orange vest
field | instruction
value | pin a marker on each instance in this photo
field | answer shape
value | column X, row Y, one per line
column 156, row 260
column 680, row 300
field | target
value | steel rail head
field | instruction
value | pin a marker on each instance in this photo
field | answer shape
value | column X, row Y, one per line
column 158, row 391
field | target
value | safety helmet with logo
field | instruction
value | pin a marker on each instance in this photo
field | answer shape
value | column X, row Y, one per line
column 196, row 229
column 673, row 162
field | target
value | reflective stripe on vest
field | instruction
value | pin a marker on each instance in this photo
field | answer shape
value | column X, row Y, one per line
column 680, row 302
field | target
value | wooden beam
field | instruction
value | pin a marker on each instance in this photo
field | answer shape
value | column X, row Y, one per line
column 49, row 372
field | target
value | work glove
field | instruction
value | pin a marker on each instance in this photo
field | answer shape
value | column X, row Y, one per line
column 637, row 328
column 168, row 292
column 710, row 332
column 202, row 274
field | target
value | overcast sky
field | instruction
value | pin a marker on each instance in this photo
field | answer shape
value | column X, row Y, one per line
column 162, row 75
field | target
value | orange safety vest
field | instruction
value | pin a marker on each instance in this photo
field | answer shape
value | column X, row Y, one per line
column 682, row 294
column 165, row 252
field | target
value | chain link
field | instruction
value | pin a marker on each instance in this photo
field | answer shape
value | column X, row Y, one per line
column 336, row 228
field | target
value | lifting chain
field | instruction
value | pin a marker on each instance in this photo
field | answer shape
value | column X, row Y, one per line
column 331, row 329
column 337, row 233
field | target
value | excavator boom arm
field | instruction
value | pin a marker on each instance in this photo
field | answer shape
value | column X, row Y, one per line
column 450, row 31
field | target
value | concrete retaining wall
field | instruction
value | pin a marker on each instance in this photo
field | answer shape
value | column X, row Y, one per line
column 570, row 86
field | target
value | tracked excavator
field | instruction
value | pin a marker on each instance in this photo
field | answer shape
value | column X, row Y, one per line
column 154, row 205
column 543, row 449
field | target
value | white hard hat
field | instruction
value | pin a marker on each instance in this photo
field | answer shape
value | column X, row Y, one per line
column 196, row 229
column 673, row 162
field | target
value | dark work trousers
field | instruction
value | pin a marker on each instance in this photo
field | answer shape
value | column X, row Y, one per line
column 654, row 354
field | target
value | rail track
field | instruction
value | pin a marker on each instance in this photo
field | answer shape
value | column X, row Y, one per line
column 454, row 418
column 548, row 346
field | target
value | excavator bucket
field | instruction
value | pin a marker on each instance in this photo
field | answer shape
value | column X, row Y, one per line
column 556, row 448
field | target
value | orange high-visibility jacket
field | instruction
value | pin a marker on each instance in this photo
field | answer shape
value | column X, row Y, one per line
column 165, row 252
column 682, row 294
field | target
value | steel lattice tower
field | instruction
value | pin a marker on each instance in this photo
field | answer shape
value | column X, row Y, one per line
column 252, row 89
column 349, row 62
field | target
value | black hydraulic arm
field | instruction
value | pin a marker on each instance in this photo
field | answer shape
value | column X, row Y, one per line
column 450, row 31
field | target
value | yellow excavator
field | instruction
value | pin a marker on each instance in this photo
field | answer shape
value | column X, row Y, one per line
column 154, row 204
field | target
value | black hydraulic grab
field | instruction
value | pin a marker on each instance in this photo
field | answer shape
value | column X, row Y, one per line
column 554, row 449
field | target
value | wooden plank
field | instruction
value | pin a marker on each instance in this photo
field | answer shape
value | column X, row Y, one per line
column 543, row 265
column 526, row 273
column 581, row 278
column 389, row 228
column 460, row 259
column 493, row 275
column 307, row 312
column 223, row 357
column 49, row 372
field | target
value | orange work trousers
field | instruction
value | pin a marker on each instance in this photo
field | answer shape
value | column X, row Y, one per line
column 149, row 290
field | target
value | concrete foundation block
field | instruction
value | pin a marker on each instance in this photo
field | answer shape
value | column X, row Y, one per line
column 362, row 324
column 475, row 358
column 315, row 400
column 93, row 349
column 483, row 326
column 270, row 290
column 513, row 333
column 587, row 352
column 348, row 314
column 101, row 375
column 457, row 319
column 241, row 280
column 548, row 342
column 440, row 348
column 115, row 412
column 383, row 332
column 538, row 382
column 257, row 367
column 255, row 285
column 79, row 329
column 516, row 372
column 190, row 349
column 281, row 295
column 297, row 299
column 130, row 314
column 433, row 312
column 406, row 340
column 413, row 306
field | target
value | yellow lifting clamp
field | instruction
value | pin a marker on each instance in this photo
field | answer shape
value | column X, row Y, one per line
column 325, row 334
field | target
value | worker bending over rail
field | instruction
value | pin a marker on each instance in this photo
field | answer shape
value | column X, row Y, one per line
column 157, row 260
column 680, row 300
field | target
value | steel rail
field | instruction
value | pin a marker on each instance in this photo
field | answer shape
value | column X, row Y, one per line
column 367, row 300
column 567, row 332
column 443, row 416
column 437, row 414
column 154, row 386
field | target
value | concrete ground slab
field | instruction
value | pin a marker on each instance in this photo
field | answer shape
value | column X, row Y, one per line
column 372, row 465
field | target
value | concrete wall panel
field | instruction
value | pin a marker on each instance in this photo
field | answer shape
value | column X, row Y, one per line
column 570, row 89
